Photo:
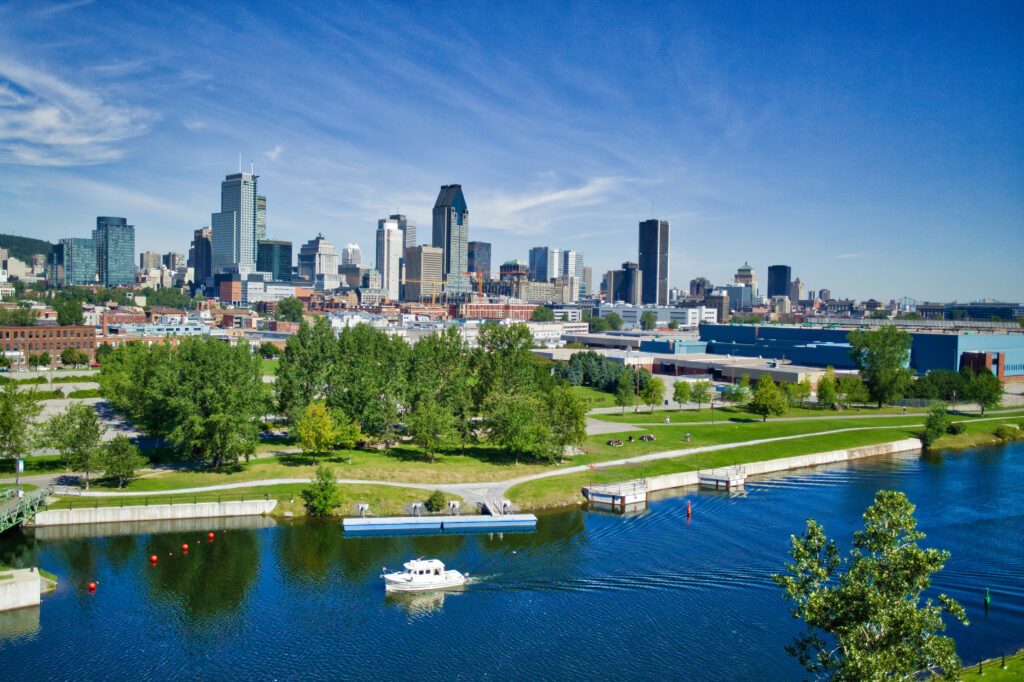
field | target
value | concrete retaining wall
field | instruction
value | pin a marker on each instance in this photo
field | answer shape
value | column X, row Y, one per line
column 153, row 512
column 800, row 461
column 21, row 589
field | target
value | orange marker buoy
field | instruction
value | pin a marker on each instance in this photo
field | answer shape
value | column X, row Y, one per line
column 210, row 535
column 184, row 547
column 153, row 558
column 92, row 587
column 689, row 511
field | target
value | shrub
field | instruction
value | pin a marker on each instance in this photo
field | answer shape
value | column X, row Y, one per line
column 1007, row 432
column 956, row 428
column 436, row 502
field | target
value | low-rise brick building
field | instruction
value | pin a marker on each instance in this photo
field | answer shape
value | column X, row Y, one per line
column 48, row 338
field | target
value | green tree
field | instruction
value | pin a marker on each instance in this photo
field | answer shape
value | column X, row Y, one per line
column 673, row 324
column 625, row 393
column 542, row 313
column 43, row 360
column 18, row 409
column 73, row 357
column 599, row 324
column 436, row 502
column 935, row 425
column 853, row 390
column 652, row 393
column 103, row 351
column 5, row 362
column 504, row 361
column 518, row 425
column 322, row 498
column 215, row 401
column 768, row 399
column 700, row 392
column 796, row 394
column 370, row 380
column 316, row 430
column 431, row 426
column 567, row 416
column 828, row 389
column 863, row 615
column 69, row 311
column 121, row 460
column 440, row 368
column 648, row 320
column 289, row 309
column 614, row 321
column 77, row 434
column 882, row 356
column 986, row 389
column 681, row 393
column 269, row 350
column 308, row 368
column 346, row 431
column 739, row 393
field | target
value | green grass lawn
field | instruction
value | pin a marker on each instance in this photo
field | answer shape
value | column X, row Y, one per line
column 27, row 487
column 594, row 398
column 383, row 500
column 737, row 414
column 992, row 669
column 270, row 366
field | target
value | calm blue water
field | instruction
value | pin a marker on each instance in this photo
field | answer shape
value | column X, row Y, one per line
column 636, row 597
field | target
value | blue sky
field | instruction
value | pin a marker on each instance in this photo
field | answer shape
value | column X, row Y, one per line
column 878, row 148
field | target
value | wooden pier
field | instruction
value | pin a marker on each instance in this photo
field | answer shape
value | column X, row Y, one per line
column 728, row 477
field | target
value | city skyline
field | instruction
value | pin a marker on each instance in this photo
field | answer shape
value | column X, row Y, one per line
column 810, row 154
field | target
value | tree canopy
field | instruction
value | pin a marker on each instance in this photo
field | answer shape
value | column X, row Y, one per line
column 768, row 399
column 289, row 309
column 863, row 614
column 648, row 320
column 882, row 356
column 542, row 313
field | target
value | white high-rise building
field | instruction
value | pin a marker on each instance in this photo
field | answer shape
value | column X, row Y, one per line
column 234, row 228
column 319, row 259
column 351, row 254
column 545, row 263
column 570, row 263
column 390, row 247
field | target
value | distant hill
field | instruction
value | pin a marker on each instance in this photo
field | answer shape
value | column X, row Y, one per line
column 23, row 248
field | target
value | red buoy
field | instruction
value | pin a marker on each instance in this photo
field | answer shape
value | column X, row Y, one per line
column 689, row 512
column 92, row 587
column 152, row 558
column 210, row 535
column 184, row 547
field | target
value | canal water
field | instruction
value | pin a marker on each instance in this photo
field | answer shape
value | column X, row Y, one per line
column 644, row 596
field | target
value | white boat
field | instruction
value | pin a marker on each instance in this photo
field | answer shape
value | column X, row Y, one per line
column 422, row 575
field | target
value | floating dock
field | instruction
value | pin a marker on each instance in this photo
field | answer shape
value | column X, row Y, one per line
column 730, row 477
column 413, row 525
column 630, row 494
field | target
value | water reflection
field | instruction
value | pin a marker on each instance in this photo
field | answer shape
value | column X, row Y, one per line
column 213, row 578
column 418, row 604
column 18, row 624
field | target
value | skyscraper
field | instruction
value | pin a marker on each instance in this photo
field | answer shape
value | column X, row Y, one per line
column 261, row 217
column 451, row 234
column 115, row 251
column 796, row 291
column 173, row 260
column 479, row 259
column 568, row 265
column 234, row 228
column 424, row 273
column 587, row 285
column 275, row 257
column 79, row 260
column 150, row 260
column 745, row 274
column 779, row 278
column 408, row 228
column 200, row 255
column 545, row 263
column 318, row 257
column 351, row 254
column 390, row 250
column 653, row 261
column 625, row 285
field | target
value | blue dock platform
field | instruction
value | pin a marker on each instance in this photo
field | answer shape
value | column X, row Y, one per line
column 409, row 525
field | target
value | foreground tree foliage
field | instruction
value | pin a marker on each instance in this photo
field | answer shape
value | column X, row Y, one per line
column 121, row 459
column 316, row 430
column 321, row 498
column 883, row 356
column 863, row 614
column 205, row 397
column 768, row 399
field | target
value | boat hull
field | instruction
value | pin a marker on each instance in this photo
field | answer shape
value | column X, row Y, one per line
column 397, row 582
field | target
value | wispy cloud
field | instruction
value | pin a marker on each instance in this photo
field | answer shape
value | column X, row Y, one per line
column 56, row 8
column 194, row 124
column 45, row 121
column 844, row 256
column 275, row 153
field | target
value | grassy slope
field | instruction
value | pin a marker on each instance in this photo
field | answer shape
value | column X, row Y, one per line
column 732, row 413
column 593, row 397
column 270, row 366
column 383, row 500
column 992, row 670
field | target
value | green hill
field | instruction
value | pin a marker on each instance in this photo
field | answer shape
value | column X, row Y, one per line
column 23, row 248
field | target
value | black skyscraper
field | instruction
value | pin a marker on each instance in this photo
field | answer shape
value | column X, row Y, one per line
column 779, row 279
column 653, row 261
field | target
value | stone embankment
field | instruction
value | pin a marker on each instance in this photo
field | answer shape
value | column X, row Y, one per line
column 154, row 512
column 686, row 478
